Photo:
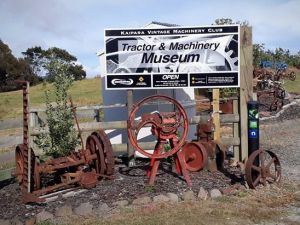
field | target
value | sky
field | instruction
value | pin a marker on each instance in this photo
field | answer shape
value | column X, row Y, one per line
column 78, row 25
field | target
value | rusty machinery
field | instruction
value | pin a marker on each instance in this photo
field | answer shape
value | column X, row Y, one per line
column 83, row 167
column 272, row 96
column 165, row 126
column 205, row 151
column 262, row 166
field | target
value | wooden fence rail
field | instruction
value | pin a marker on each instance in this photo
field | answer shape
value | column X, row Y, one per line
column 92, row 126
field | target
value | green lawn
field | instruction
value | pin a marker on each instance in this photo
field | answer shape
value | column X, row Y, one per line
column 293, row 86
column 84, row 92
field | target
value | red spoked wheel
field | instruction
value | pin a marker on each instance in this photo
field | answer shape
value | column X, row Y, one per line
column 178, row 120
column 195, row 156
column 262, row 167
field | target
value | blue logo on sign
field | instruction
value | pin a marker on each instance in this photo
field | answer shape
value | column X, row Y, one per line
column 253, row 133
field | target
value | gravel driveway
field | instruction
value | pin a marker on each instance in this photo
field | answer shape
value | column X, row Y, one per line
column 284, row 139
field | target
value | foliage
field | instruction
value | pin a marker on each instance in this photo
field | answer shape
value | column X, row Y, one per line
column 12, row 69
column 40, row 58
column 62, row 137
column 229, row 92
column 278, row 55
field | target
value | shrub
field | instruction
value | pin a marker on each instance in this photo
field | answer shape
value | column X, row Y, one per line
column 62, row 137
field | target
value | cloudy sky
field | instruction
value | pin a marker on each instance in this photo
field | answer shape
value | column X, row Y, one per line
column 78, row 25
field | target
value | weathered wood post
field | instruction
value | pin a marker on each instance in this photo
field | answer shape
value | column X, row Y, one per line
column 246, row 87
column 236, row 130
column 130, row 150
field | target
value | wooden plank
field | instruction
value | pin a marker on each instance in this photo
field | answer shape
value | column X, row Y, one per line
column 224, row 118
column 151, row 145
column 6, row 174
column 216, row 114
column 92, row 126
column 236, row 131
column 246, row 88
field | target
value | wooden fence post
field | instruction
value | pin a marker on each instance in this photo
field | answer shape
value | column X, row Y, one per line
column 236, row 131
column 216, row 114
column 130, row 150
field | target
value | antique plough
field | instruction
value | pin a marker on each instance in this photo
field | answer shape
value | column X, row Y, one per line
column 83, row 167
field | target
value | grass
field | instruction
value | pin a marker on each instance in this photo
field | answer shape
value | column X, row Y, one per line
column 293, row 86
column 84, row 92
column 7, row 165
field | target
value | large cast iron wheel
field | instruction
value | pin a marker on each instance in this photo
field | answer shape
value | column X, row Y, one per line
column 262, row 167
column 195, row 156
column 109, row 158
column 98, row 143
column 94, row 145
column 133, row 129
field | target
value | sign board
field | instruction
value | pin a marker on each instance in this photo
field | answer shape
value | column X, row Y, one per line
column 176, row 57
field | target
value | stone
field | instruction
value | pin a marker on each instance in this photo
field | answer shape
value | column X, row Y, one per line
column 228, row 190
column 30, row 221
column 173, row 197
column 73, row 193
column 5, row 222
column 160, row 198
column 102, row 209
column 43, row 216
column 202, row 194
column 215, row 193
column 84, row 209
column 188, row 196
column 121, row 203
column 141, row 201
column 64, row 211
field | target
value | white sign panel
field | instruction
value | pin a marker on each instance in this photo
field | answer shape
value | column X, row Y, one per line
column 177, row 57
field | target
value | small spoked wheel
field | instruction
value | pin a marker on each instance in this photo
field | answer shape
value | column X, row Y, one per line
column 262, row 167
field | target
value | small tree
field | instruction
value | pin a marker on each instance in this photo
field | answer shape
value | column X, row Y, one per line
column 62, row 137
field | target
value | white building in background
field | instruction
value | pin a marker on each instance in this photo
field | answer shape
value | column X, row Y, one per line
column 111, row 97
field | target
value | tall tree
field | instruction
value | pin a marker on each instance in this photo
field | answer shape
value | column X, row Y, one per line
column 39, row 58
column 12, row 69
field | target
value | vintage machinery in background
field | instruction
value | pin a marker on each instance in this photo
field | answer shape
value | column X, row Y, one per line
column 83, row 167
column 269, row 85
column 169, row 128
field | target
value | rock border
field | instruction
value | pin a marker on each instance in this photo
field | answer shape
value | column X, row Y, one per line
column 86, row 209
